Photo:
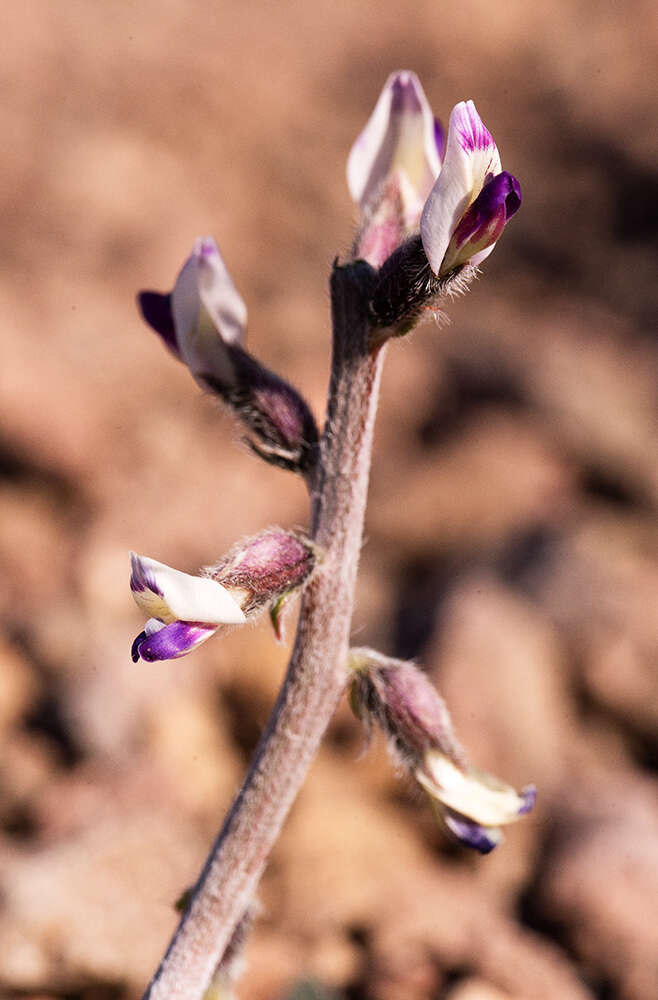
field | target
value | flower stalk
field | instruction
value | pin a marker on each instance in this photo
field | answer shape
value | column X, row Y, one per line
column 317, row 673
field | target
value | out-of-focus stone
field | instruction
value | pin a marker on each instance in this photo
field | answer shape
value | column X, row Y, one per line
column 36, row 545
column 273, row 961
column 602, row 575
column 600, row 584
column 525, row 964
column 600, row 877
column 495, row 478
column 71, row 911
column 403, row 968
column 620, row 674
column 189, row 738
column 26, row 765
column 612, row 424
column 334, row 960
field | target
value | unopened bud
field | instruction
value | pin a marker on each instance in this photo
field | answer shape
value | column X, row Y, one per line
column 472, row 198
column 405, row 704
column 265, row 569
column 393, row 165
column 203, row 321
column 282, row 427
column 401, row 699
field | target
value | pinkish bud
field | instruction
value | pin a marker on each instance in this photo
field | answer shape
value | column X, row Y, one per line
column 392, row 166
column 404, row 702
column 399, row 697
column 283, row 429
column 266, row 569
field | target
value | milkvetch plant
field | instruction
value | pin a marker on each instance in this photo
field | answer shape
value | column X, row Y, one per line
column 430, row 209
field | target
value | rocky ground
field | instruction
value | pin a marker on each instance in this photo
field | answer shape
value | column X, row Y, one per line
column 511, row 534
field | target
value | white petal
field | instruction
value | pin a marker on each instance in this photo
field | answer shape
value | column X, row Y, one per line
column 218, row 293
column 471, row 155
column 153, row 625
column 396, row 137
column 208, row 311
column 169, row 595
column 477, row 258
column 476, row 795
column 185, row 301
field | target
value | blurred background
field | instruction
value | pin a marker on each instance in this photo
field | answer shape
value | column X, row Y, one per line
column 511, row 533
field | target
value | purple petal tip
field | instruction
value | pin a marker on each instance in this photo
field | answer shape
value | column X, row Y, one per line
column 207, row 247
column 509, row 191
column 134, row 649
column 404, row 95
column 480, row 838
column 439, row 138
column 500, row 192
column 529, row 797
column 170, row 642
column 472, row 132
column 140, row 580
column 485, row 219
column 156, row 311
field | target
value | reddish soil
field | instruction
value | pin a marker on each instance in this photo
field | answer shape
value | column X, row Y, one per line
column 511, row 534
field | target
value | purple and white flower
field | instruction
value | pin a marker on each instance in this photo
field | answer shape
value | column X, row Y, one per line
column 402, row 141
column 473, row 197
column 203, row 322
column 183, row 611
column 202, row 317
column 395, row 175
column 472, row 804
column 392, row 166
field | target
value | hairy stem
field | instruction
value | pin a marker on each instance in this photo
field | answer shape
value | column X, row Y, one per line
column 316, row 674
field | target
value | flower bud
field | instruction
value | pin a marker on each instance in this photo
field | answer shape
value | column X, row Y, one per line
column 393, row 165
column 462, row 220
column 265, row 569
column 283, row 429
column 461, row 205
column 400, row 698
column 202, row 316
column 483, row 221
column 203, row 321
column 186, row 610
column 183, row 611
column 405, row 704
column 472, row 804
